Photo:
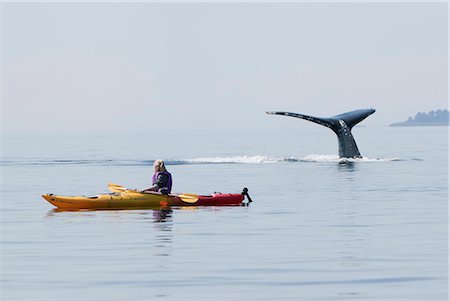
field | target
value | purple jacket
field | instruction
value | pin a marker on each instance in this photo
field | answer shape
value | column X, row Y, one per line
column 164, row 181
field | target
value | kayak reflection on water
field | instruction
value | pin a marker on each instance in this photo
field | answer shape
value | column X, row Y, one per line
column 162, row 216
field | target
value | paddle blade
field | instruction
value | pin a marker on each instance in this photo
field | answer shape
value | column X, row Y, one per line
column 116, row 188
column 190, row 198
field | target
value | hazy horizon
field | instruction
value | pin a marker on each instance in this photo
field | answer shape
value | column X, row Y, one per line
column 172, row 66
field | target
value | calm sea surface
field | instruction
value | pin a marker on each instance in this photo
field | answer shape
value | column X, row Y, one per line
column 319, row 229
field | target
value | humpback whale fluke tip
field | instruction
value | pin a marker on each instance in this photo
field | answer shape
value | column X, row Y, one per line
column 341, row 124
column 277, row 113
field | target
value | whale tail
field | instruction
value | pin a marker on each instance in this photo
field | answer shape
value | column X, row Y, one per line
column 341, row 124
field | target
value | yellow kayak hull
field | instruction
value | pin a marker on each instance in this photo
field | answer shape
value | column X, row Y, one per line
column 130, row 199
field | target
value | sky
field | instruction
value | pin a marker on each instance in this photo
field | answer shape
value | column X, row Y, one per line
column 184, row 66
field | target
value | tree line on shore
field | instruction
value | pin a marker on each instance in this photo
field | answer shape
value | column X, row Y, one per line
column 440, row 117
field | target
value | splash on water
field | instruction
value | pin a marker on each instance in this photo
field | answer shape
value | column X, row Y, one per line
column 335, row 158
column 245, row 159
column 259, row 159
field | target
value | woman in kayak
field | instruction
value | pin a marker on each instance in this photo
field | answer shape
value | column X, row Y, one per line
column 162, row 179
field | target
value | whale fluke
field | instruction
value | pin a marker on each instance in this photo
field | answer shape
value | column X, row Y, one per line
column 341, row 124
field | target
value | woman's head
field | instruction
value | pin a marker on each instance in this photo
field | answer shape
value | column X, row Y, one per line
column 158, row 166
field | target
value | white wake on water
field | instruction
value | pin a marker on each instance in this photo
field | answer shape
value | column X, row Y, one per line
column 256, row 159
column 236, row 159
column 260, row 159
column 335, row 158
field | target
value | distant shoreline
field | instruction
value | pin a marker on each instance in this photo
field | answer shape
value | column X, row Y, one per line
column 432, row 118
column 399, row 124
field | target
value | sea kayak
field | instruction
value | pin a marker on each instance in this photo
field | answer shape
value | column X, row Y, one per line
column 123, row 198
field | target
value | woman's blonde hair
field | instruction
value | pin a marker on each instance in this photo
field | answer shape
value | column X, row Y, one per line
column 159, row 165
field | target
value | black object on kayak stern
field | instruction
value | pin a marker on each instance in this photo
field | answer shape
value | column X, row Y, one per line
column 245, row 193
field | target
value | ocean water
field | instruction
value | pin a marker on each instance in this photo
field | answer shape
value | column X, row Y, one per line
column 319, row 228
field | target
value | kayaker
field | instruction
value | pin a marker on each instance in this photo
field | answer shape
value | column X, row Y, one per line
column 162, row 179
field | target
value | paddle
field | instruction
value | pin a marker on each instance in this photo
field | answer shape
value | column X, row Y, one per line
column 190, row 198
column 116, row 187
